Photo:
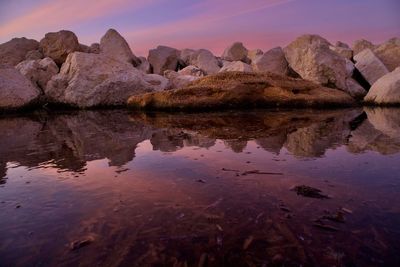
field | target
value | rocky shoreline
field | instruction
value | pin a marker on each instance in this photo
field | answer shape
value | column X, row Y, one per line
column 309, row 72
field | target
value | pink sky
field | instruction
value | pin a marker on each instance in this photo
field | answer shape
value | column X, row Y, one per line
column 211, row 24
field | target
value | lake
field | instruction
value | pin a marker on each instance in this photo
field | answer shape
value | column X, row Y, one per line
column 116, row 188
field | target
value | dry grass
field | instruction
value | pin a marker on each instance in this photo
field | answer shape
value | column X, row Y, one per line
column 240, row 90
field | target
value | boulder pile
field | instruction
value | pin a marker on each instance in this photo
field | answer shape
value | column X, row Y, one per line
column 60, row 70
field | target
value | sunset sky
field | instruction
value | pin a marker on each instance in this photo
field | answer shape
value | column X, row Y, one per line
column 211, row 24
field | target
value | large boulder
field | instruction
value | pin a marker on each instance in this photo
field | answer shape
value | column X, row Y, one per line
column 34, row 55
column 157, row 82
column 273, row 61
column 144, row 65
column 112, row 44
column 94, row 48
column 389, row 53
column 88, row 80
column 235, row 52
column 343, row 51
column 386, row 90
column 238, row 90
column 362, row 44
column 236, row 66
column 16, row 91
column 311, row 58
column 192, row 71
column 369, row 65
column 38, row 71
column 178, row 80
column 185, row 55
column 205, row 60
column 253, row 54
column 57, row 45
column 163, row 58
column 355, row 89
column 15, row 50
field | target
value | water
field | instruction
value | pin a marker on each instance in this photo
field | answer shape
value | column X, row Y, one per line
column 114, row 188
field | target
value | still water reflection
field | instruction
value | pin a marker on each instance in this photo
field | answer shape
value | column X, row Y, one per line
column 113, row 188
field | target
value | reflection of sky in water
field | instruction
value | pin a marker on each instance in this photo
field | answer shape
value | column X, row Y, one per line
column 107, row 174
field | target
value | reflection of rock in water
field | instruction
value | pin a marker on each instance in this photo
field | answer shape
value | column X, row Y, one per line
column 236, row 145
column 273, row 143
column 380, row 133
column 3, row 172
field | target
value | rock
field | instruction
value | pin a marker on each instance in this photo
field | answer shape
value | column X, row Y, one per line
column 16, row 91
column 178, row 80
column 238, row 90
column 341, row 44
column 38, row 71
column 163, row 58
column 33, row 55
column 349, row 68
column 57, row 45
column 15, row 50
column 342, row 51
column 311, row 58
column 186, row 55
column 113, row 45
column 389, row 53
column 157, row 82
column 253, row 54
column 192, row 71
column 235, row 52
column 273, row 61
column 370, row 66
column 354, row 89
column 386, row 90
column 94, row 48
column 144, row 65
column 84, row 48
column 236, row 66
column 205, row 60
column 88, row 80
column 362, row 44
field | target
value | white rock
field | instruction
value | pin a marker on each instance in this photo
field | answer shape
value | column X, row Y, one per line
column 235, row 52
column 112, row 44
column 16, row 91
column 236, row 66
column 205, row 60
column 272, row 61
column 163, row 58
column 88, row 80
column 311, row 58
column 386, row 90
column 38, row 71
column 370, row 66
column 178, row 80
column 192, row 71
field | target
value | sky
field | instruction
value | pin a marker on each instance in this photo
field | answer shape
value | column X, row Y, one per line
column 211, row 24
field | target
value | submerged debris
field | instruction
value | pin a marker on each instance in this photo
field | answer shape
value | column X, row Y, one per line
column 324, row 226
column 308, row 191
column 261, row 172
column 81, row 243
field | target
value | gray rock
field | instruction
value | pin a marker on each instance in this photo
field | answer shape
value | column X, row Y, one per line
column 272, row 61
column 57, row 45
column 163, row 58
column 192, row 71
column 38, row 71
column 362, row 44
column 253, row 54
column 235, row 52
column 386, row 90
column 236, row 66
column 342, row 51
column 389, row 53
column 94, row 48
column 178, row 80
column 33, row 55
column 205, row 60
column 144, row 65
column 370, row 66
column 354, row 89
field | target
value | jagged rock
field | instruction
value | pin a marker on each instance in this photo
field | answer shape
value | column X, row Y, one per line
column 253, row 54
column 341, row 44
column 311, row 58
column 57, row 45
column 192, row 71
column 88, row 80
column 343, row 51
column 33, row 55
column 236, row 66
column 163, row 58
column 389, row 53
column 362, row 44
column 38, row 71
column 186, row 55
column 94, row 48
column 385, row 90
column 16, row 91
column 205, row 60
column 15, row 50
column 354, row 89
column 240, row 89
column 178, row 80
column 235, row 52
column 144, row 65
column 273, row 61
column 370, row 66
column 113, row 45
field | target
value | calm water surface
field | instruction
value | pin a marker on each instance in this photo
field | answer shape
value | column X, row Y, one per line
column 114, row 188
